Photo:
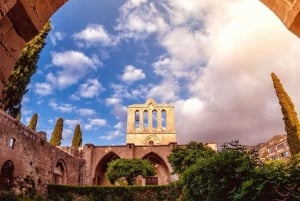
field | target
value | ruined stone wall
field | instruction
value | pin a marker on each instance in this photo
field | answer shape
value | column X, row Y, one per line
column 33, row 156
column 20, row 21
column 97, row 157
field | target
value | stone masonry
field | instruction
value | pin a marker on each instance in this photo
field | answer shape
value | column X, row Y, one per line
column 29, row 154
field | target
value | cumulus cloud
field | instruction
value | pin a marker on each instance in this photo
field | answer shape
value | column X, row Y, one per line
column 91, row 88
column 95, row 34
column 132, row 74
column 73, row 66
column 94, row 123
column 43, row 89
column 65, row 108
column 86, row 112
column 217, row 65
column 56, row 36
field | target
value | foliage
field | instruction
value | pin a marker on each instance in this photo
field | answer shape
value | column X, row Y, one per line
column 56, row 136
column 18, row 117
column 16, row 86
column 8, row 197
column 33, row 121
column 110, row 193
column 216, row 177
column 235, row 174
column 292, row 126
column 77, row 137
column 181, row 158
column 129, row 169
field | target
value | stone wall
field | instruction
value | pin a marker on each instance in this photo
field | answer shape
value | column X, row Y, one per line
column 21, row 20
column 31, row 155
column 97, row 157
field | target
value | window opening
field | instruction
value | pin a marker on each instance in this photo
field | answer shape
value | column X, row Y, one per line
column 154, row 119
column 164, row 119
column 137, row 119
column 145, row 116
column 11, row 144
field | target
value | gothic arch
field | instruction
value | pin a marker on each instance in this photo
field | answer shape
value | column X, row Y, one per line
column 99, row 176
column 60, row 172
column 6, row 175
column 161, row 168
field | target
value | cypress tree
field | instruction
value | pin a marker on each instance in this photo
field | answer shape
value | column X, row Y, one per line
column 16, row 86
column 77, row 137
column 33, row 122
column 57, row 132
column 18, row 117
column 292, row 126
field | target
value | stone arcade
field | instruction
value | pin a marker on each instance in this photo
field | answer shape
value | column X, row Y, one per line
column 150, row 135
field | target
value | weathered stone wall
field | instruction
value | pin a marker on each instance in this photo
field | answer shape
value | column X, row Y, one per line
column 97, row 157
column 21, row 20
column 33, row 156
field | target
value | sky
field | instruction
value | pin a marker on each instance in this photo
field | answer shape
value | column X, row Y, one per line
column 212, row 60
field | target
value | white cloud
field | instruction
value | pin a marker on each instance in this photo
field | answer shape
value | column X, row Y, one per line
column 56, row 36
column 112, row 135
column 86, row 112
column 132, row 74
column 95, row 34
column 71, row 123
column 112, row 101
column 43, row 89
column 138, row 19
column 94, row 123
column 65, row 108
column 91, row 88
column 74, row 66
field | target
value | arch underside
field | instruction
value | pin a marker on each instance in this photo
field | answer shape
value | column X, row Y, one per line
column 161, row 168
column 99, row 178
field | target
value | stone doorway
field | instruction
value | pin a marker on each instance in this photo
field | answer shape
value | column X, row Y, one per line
column 59, row 173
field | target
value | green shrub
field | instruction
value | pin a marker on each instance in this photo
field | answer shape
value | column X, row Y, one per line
column 8, row 197
column 110, row 193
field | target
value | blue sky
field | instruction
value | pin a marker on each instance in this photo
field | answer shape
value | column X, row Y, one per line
column 212, row 60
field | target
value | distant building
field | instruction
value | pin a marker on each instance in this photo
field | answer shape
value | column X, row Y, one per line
column 276, row 148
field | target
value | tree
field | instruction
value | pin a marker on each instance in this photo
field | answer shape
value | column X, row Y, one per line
column 292, row 126
column 16, row 86
column 18, row 117
column 77, row 137
column 33, row 122
column 182, row 157
column 57, row 132
column 217, row 177
column 129, row 169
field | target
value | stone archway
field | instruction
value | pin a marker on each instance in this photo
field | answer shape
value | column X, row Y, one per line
column 6, row 175
column 60, row 173
column 99, row 176
column 161, row 168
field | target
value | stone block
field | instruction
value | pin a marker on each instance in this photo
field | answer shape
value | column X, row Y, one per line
column 24, row 19
column 5, row 6
column 14, row 44
column 54, row 5
column 5, row 26
column 6, row 64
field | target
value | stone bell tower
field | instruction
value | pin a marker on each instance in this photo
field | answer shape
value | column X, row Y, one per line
column 150, row 124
